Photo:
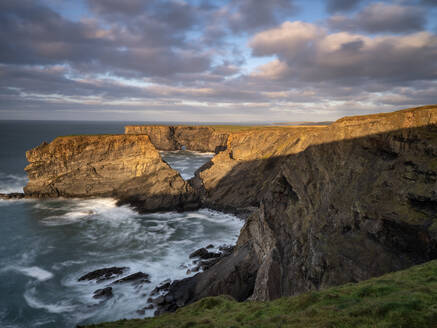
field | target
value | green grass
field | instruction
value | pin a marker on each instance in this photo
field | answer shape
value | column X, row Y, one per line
column 404, row 299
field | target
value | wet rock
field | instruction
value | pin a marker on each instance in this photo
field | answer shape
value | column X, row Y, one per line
column 233, row 275
column 137, row 278
column 159, row 300
column 209, row 246
column 105, row 293
column 161, row 287
column 143, row 310
column 226, row 249
column 204, row 254
column 205, row 265
column 103, row 274
column 13, row 195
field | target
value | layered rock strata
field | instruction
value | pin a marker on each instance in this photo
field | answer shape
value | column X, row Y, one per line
column 122, row 166
column 333, row 205
column 198, row 138
column 326, row 205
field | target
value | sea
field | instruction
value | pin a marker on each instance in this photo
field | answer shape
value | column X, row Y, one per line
column 46, row 245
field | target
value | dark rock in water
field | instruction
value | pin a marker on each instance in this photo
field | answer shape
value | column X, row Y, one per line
column 104, row 274
column 159, row 300
column 208, row 259
column 204, row 254
column 13, row 195
column 137, row 278
column 198, row 253
column 226, row 249
column 233, row 275
column 103, row 293
column 209, row 246
column 205, row 265
column 143, row 310
column 162, row 287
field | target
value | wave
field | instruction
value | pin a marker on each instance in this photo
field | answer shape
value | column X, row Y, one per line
column 33, row 272
column 10, row 183
column 31, row 300
column 69, row 211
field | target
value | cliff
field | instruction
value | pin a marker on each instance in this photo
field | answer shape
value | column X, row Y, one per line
column 325, row 205
column 126, row 167
column 199, row 138
column 329, row 205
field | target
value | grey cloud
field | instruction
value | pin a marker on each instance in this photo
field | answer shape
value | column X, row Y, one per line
column 225, row 69
column 308, row 53
column 173, row 14
column 342, row 5
column 381, row 17
column 35, row 35
column 249, row 15
column 125, row 7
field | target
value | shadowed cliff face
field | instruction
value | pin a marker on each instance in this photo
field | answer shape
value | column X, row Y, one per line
column 125, row 167
column 325, row 205
column 329, row 206
column 198, row 138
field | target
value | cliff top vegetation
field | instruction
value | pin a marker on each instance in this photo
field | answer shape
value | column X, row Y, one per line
column 402, row 299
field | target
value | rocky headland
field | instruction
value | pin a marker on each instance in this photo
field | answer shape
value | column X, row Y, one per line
column 198, row 138
column 324, row 205
column 126, row 167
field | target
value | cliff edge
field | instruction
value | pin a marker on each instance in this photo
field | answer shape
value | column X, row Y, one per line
column 330, row 205
column 325, row 205
column 198, row 138
column 128, row 168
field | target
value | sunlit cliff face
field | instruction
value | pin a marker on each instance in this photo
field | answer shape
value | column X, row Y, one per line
column 215, row 61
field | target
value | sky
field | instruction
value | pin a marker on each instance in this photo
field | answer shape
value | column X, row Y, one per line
column 215, row 61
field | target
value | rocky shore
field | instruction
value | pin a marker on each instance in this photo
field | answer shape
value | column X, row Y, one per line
column 324, row 205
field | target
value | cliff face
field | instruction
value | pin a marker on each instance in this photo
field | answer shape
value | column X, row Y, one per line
column 199, row 138
column 126, row 167
column 330, row 205
column 257, row 155
column 327, row 205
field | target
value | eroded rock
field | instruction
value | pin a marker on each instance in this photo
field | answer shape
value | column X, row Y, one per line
column 127, row 167
column 137, row 278
column 103, row 274
column 105, row 293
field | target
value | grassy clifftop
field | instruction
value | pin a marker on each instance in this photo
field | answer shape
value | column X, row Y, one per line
column 402, row 299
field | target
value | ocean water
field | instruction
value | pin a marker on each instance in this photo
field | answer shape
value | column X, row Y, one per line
column 46, row 245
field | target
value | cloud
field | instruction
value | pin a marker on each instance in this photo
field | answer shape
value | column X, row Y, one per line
column 341, row 5
column 382, row 17
column 313, row 54
column 142, row 46
column 249, row 15
column 111, row 7
column 191, row 60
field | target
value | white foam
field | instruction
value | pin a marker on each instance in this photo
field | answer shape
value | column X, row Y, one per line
column 34, row 302
column 10, row 183
column 65, row 264
column 158, row 244
column 36, row 272
column 75, row 210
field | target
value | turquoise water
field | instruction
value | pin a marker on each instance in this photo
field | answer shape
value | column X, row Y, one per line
column 45, row 246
